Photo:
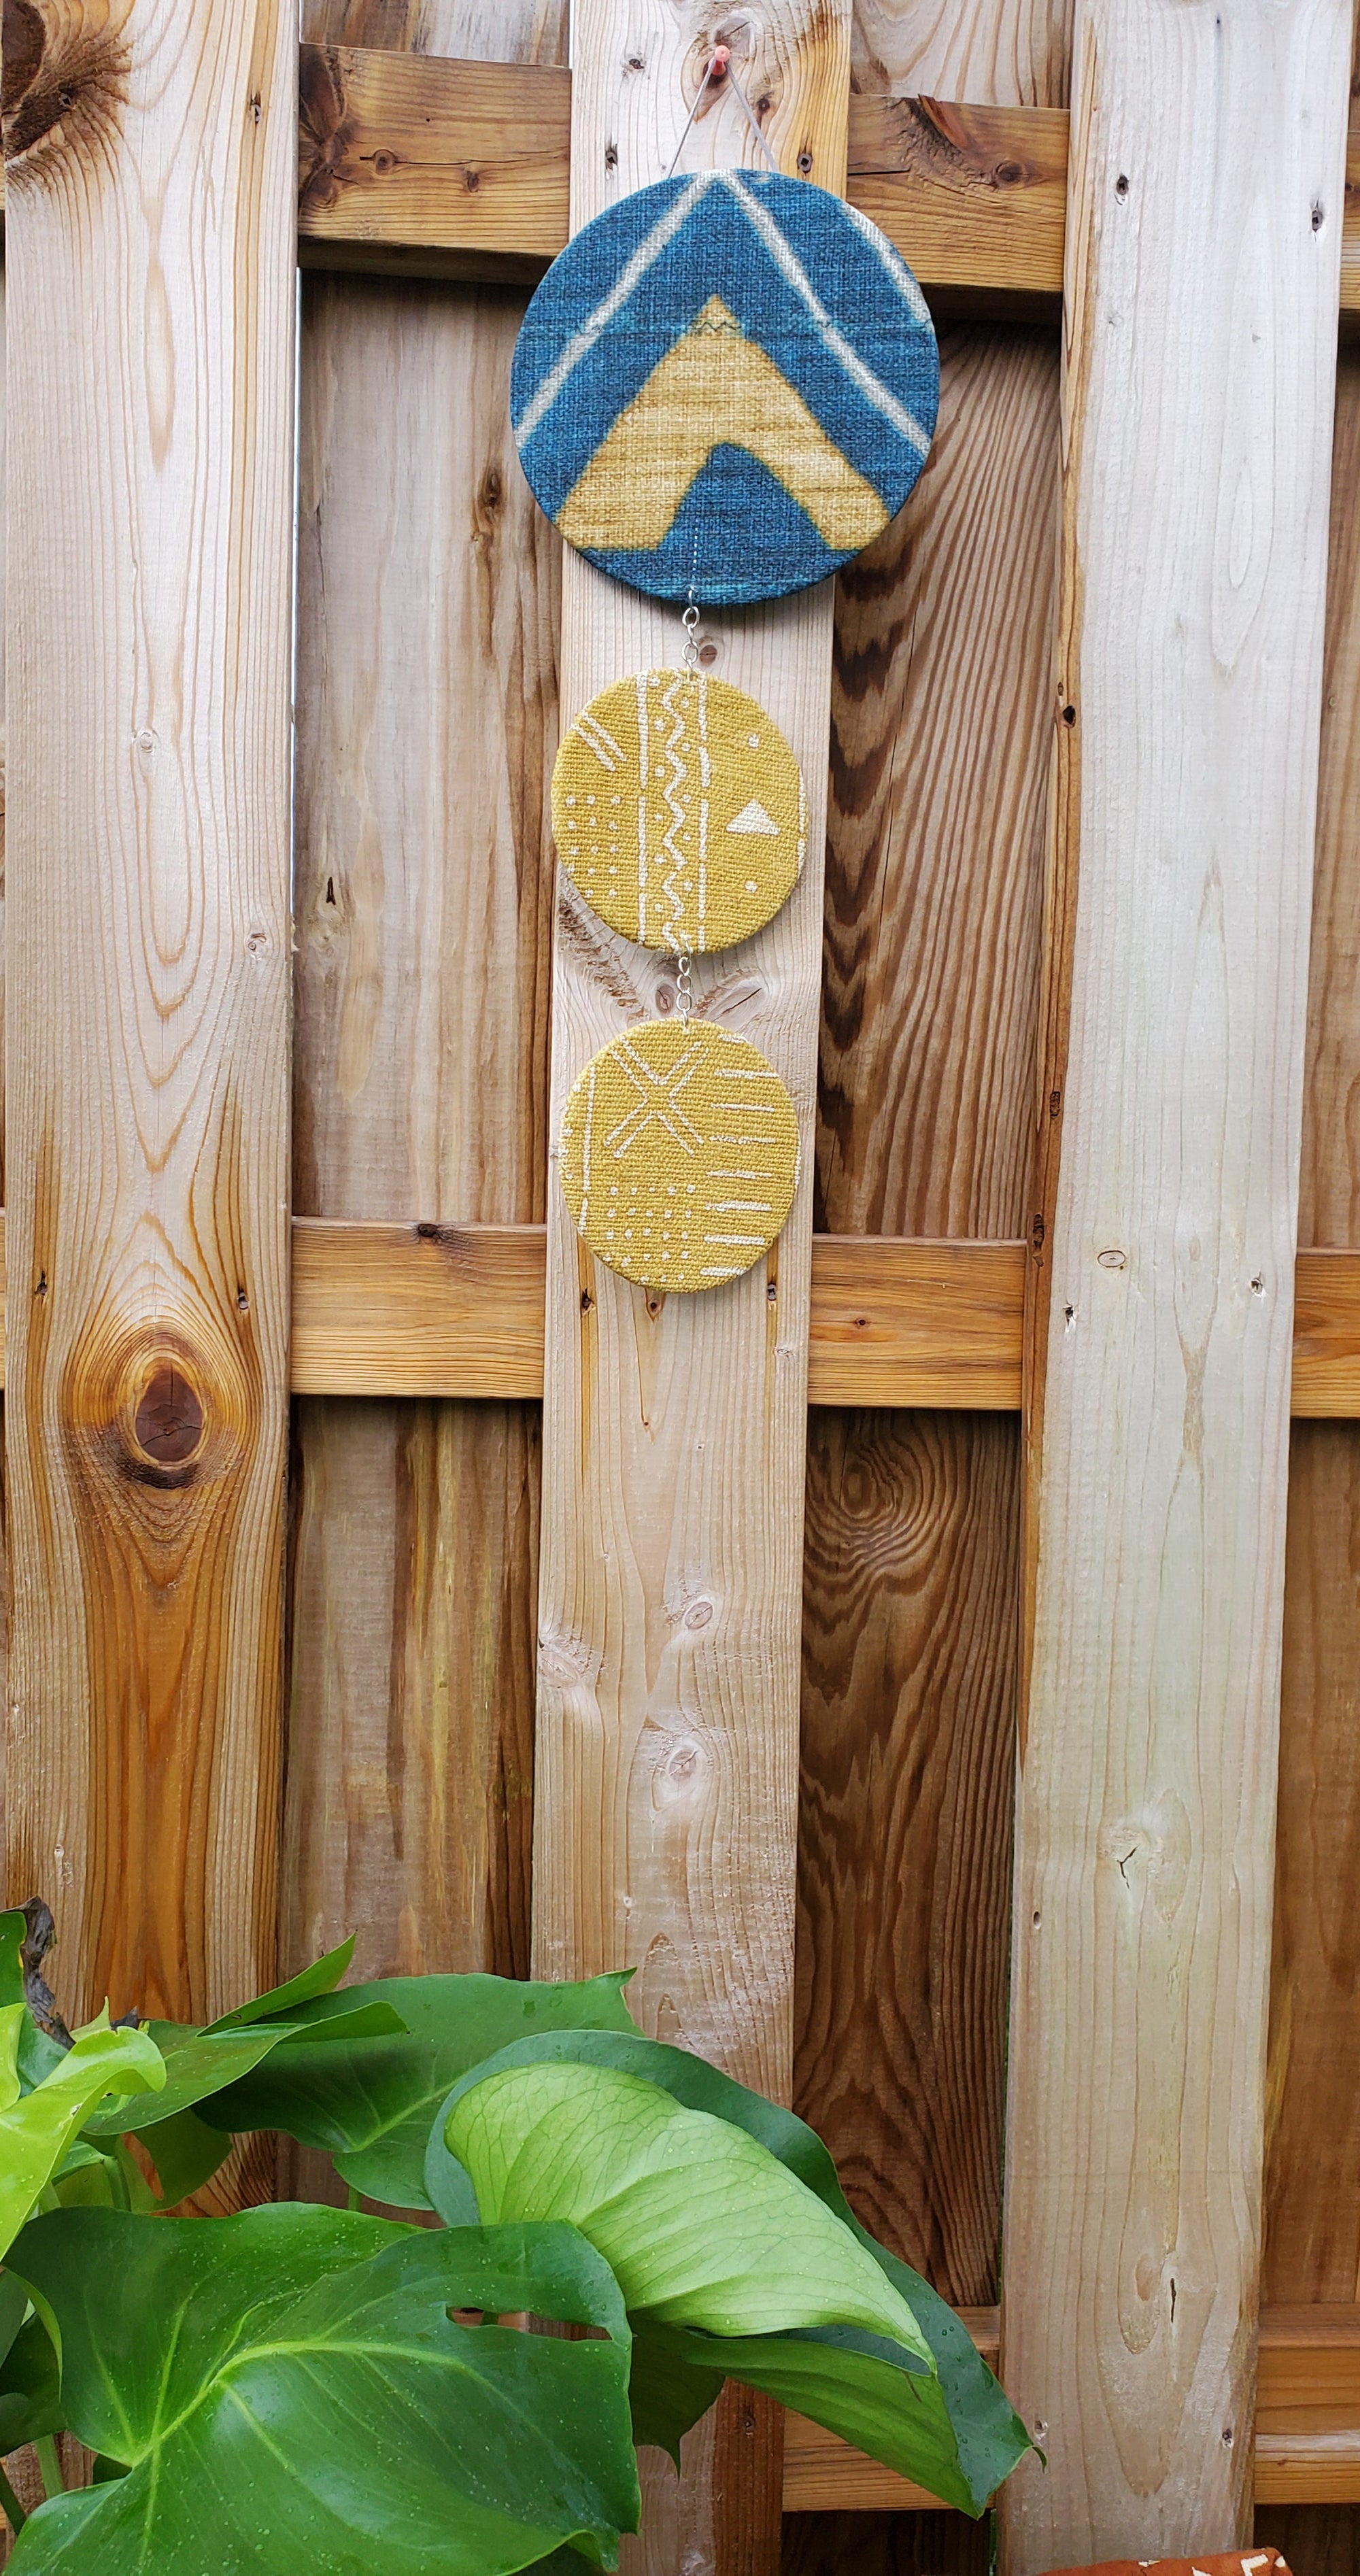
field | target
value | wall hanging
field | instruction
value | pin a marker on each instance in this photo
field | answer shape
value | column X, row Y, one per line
column 678, row 811
column 679, row 1154
column 725, row 387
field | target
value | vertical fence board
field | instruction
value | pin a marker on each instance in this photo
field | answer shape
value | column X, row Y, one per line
column 939, row 752
column 428, row 632
column 1205, row 197
column 151, row 236
column 674, row 1430
column 1312, row 2245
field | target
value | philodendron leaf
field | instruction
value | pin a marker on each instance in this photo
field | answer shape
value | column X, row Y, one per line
column 186, row 2153
column 700, row 2225
column 988, row 2432
column 201, row 2063
column 30, row 2388
column 370, row 2104
column 305, row 2399
column 320, row 1979
column 849, row 2381
column 37, row 2128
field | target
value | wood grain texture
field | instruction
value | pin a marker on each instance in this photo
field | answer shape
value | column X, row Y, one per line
column 935, row 854
column 1312, row 2244
column 428, row 621
column 1198, row 418
column 674, row 1430
column 911, row 1574
column 412, row 166
column 149, row 648
column 427, row 1309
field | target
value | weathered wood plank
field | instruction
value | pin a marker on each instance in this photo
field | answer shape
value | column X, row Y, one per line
column 426, row 725
column 416, row 166
column 675, row 1430
column 930, row 997
column 1313, row 2139
column 429, row 1309
column 151, row 304
column 1204, row 241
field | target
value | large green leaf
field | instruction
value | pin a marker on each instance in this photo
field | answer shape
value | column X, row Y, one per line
column 37, row 2128
column 700, row 2224
column 289, row 2390
column 989, row 2433
column 201, row 2063
column 370, row 2104
column 851, row 2382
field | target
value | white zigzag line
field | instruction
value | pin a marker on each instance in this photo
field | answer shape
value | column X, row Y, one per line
column 668, row 885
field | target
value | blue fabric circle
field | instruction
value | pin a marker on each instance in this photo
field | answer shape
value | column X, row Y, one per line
column 725, row 387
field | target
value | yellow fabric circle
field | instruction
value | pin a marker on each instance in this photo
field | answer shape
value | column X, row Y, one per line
column 679, row 1154
column 678, row 810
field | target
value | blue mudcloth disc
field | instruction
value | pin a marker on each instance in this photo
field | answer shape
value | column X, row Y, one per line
column 725, row 387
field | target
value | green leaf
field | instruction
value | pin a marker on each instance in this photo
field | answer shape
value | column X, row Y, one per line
column 322, row 1976
column 370, row 2105
column 13, row 1933
column 851, row 2382
column 201, row 2063
column 30, row 2388
column 306, row 2400
column 989, row 2433
column 37, row 2128
column 197, row 2064
column 699, row 2222
column 186, row 2154
column 668, row 2389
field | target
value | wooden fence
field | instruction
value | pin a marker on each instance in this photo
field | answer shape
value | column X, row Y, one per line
column 268, row 1686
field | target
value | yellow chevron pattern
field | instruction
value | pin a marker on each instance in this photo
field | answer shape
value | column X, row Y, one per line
column 678, row 810
column 679, row 1155
column 714, row 387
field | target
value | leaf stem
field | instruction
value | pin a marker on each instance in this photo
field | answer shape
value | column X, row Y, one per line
column 49, row 2461
column 10, row 2505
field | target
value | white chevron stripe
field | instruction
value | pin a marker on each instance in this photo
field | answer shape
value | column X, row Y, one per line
column 583, row 341
column 787, row 261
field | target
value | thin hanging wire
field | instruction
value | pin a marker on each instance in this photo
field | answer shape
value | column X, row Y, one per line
column 719, row 65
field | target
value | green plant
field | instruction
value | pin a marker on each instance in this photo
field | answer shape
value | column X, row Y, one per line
column 342, row 2390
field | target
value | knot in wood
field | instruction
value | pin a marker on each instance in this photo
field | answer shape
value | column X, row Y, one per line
column 169, row 1419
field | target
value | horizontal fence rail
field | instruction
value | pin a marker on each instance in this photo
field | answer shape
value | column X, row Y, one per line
column 457, row 1310
column 414, row 165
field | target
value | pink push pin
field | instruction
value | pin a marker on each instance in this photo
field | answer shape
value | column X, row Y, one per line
column 722, row 56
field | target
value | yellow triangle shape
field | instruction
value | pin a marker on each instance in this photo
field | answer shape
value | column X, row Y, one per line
column 714, row 388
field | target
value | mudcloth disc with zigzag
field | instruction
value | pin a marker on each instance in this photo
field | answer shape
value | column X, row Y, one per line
column 679, row 1154
column 725, row 387
column 678, row 810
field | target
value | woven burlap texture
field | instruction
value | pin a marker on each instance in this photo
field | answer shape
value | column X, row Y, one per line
column 678, row 811
column 725, row 387
column 679, row 1154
